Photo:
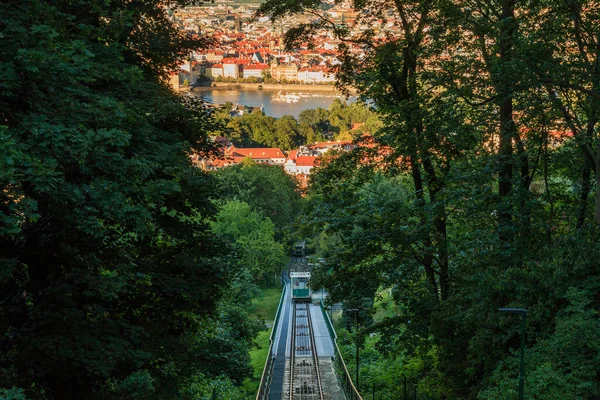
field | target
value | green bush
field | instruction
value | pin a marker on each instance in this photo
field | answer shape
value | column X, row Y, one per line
column 12, row 394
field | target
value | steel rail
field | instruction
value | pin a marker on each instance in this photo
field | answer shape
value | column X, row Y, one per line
column 315, row 374
column 314, row 351
column 292, row 352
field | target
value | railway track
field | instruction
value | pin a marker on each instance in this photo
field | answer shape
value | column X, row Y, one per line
column 305, row 378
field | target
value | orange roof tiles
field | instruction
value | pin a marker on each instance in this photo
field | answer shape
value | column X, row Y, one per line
column 256, row 66
column 305, row 161
column 256, row 152
column 292, row 154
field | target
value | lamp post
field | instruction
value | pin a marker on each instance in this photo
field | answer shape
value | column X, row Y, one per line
column 523, row 313
column 355, row 311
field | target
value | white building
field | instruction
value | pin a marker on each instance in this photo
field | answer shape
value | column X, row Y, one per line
column 255, row 70
column 272, row 156
column 215, row 70
column 231, row 70
column 315, row 75
column 301, row 165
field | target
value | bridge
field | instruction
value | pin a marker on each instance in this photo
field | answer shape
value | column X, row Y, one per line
column 304, row 361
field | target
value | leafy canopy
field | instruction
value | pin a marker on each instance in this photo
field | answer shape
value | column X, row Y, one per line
column 111, row 281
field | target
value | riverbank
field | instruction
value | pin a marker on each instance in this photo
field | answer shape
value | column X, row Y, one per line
column 269, row 86
column 276, row 101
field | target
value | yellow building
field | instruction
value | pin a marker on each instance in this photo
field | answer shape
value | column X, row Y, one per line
column 284, row 72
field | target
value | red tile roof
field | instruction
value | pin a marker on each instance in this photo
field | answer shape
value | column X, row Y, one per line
column 292, row 154
column 256, row 66
column 256, row 152
column 232, row 60
column 305, row 161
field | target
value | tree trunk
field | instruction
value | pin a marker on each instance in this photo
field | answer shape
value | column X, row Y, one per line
column 433, row 184
column 440, row 225
column 439, row 220
column 586, row 187
column 597, row 199
column 427, row 257
column 404, row 87
column 524, row 209
column 507, row 124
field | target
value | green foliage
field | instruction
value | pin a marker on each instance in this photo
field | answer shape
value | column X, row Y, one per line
column 264, row 306
column 204, row 388
column 254, row 238
column 317, row 118
column 112, row 282
column 287, row 132
column 312, row 126
column 490, row 111
column 267, row 189
column 138, row 385
column 236, row 219
column 12, row 394
column 229, row 79
column 566, row 362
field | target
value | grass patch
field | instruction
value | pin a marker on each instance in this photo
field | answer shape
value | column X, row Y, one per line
column 258, row 355
column 265, row 304
column 385, row 307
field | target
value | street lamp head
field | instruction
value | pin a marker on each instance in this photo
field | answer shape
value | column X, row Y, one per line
column 521, row 311
column 351, row 310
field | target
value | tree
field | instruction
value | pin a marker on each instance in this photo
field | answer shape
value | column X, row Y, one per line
column 287, row 132
column 309, row 135
column 254, row 238
column 419, row 126
column 337, row 111
column 490, row 109
column 266, row 75
column 109, row 273
column 262, row 129
column 318, row 119
column 569, row 71
column 267, row 189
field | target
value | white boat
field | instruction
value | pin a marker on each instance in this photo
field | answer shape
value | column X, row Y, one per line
column 285, row 98
column 292, row 98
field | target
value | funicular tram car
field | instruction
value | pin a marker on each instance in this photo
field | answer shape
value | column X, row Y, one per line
column 298, row 250
column 300, row 286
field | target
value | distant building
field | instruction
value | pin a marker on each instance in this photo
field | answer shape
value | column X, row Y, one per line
column 272, row 156
column 174, row 80
column 287, row 72
column 231, row 70
column 300, row 165
column 323, row 147
column 255, row 70
column 214, row 56
column 315, row 75
column 215, row 71
column 257, row 58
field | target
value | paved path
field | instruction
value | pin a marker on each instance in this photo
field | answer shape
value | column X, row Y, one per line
column 322, row 338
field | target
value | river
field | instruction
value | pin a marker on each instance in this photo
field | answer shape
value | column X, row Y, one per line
column 276, row 103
